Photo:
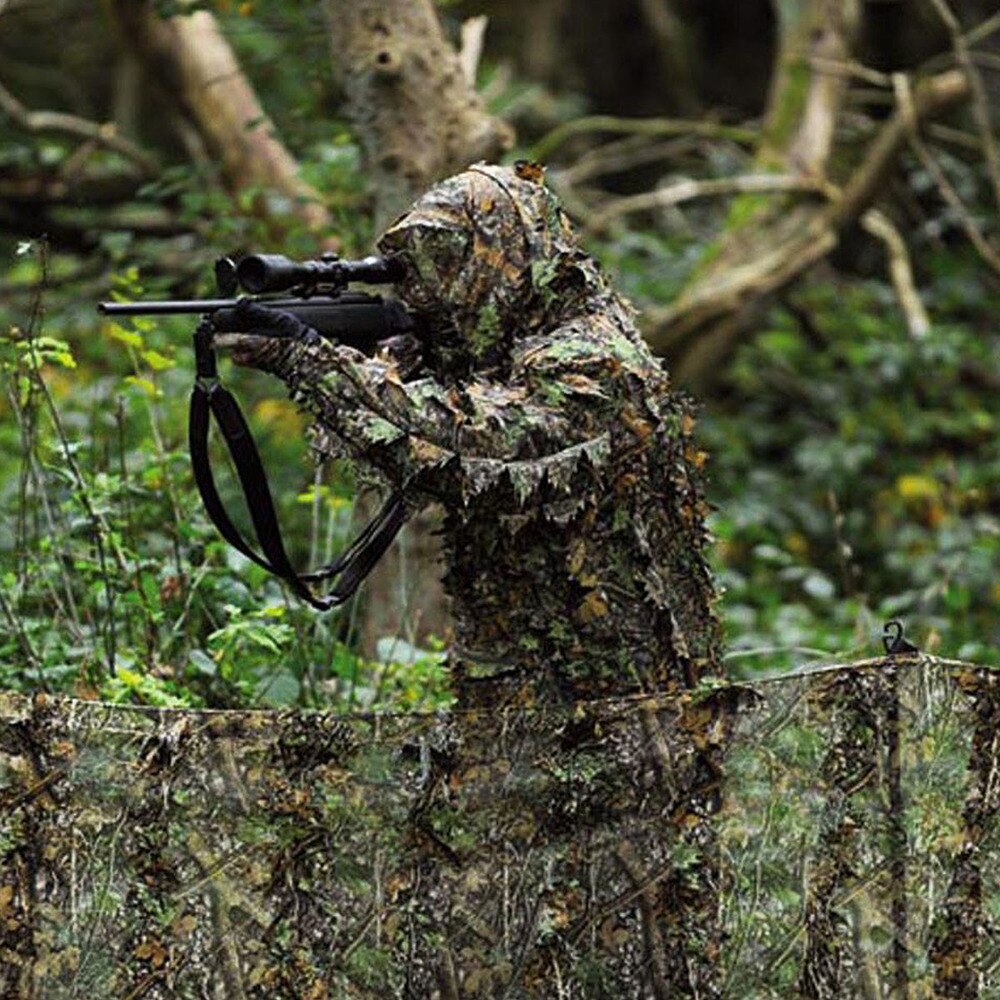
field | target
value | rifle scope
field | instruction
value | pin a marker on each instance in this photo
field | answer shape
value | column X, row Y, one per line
column 259, row 273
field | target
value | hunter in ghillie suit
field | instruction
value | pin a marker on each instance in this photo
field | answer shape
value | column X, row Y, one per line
column 532, row 411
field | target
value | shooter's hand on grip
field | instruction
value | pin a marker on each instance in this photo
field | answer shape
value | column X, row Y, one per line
column 252, row 318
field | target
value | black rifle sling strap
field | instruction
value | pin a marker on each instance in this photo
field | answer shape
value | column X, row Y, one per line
column 209, row 398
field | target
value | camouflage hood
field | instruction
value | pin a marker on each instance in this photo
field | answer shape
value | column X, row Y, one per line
column 489, row 257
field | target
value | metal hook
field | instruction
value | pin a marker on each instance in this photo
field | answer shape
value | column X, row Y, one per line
column 892, row 639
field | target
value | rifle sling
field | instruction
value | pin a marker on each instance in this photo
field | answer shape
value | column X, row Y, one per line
column 209, row 398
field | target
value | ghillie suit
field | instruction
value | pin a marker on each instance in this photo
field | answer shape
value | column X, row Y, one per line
column 532, row 411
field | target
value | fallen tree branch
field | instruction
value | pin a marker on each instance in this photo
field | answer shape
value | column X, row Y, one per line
column 83, row 188
column 58, row 122
column 188, row 58
column 700, row 329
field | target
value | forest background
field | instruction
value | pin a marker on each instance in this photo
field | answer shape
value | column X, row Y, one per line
column 800, row 198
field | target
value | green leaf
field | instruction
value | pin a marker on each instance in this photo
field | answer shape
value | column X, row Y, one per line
column 123, row 336
column 158, row 362
column 280, row 689
column 203, row 663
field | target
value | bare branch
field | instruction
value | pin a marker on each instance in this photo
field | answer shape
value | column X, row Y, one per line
column 851, row 68
column 909, row 116
column 698, row 330
column 900, row 271
column 80, row 128
column 930, row 98
column 473, row 34
column 661, row 127
column 980, row 105
column 983, row 31
column 625, row 154
column 688, row 190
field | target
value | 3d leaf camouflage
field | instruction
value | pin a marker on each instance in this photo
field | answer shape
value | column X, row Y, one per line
column 534, row 414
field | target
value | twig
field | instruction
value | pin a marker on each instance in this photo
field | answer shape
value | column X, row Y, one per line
column 625, row 154
column 900, row 271
column 80, row 128
column 688, row 190
column 954, row 201
column 23, row 640
column 955, row 136
column 909, row 117
column 471, row 51
column 549, row 143
column 670, row 33
column 980, row 105
column 851, row 68
column 983, row 31
column 986, row 60
column 928, row 99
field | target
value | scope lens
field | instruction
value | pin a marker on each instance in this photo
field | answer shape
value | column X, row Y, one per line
column 252, row 272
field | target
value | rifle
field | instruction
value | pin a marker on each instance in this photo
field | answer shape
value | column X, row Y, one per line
column 321, row 303
column 319, row 297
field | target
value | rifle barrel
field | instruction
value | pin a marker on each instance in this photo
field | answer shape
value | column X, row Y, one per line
column 171, row 307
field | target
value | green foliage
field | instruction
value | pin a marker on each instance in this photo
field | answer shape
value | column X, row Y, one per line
column 889, row 445
column 114, row 584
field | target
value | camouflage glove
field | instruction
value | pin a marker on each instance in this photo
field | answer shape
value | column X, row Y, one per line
column 261, row 321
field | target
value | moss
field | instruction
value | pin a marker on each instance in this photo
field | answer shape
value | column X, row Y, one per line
column 785, row 114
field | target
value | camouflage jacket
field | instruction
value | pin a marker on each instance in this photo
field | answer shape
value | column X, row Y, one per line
column 536, row 416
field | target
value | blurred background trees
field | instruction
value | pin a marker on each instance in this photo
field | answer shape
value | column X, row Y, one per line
column 801, row 198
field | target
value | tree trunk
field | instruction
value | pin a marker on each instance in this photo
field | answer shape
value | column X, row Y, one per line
column 418, row 120
column 210, row 94
column 768, row 239
column 413, row 110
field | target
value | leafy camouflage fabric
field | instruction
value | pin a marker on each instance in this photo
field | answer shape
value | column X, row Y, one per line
column 533, row 412
column 520, row 853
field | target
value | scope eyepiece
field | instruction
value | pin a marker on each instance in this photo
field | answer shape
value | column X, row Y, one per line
column 260, row 273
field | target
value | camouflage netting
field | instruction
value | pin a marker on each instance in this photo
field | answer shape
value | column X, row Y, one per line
column 542, row 852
